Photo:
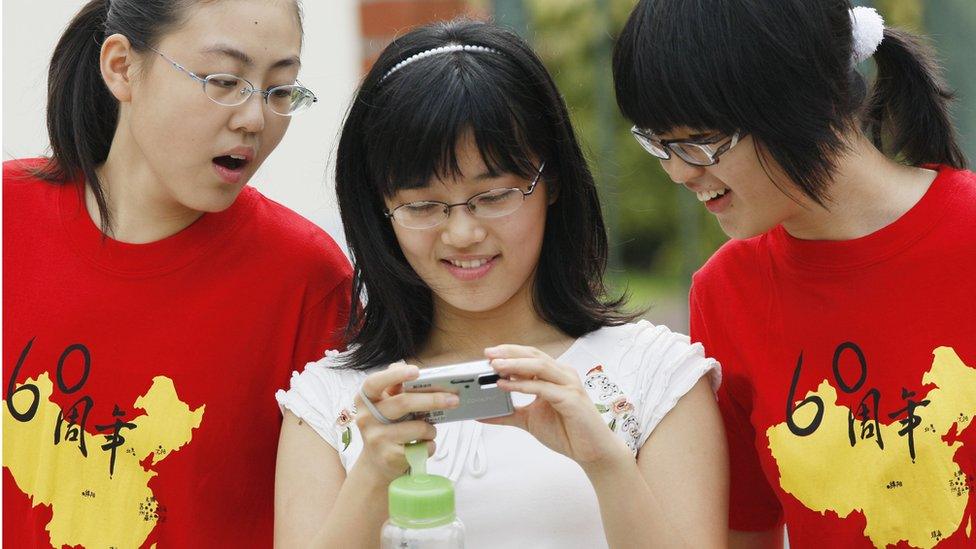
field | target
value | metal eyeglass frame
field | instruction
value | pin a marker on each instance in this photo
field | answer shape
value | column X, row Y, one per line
column 250, row 89
column 389, row 214
column 669, row 145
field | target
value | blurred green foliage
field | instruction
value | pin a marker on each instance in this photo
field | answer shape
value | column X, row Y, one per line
column 572, row 36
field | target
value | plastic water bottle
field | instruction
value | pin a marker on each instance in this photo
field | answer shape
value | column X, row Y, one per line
column 421, row 509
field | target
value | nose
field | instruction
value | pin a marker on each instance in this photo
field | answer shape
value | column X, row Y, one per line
column 680, row 171
column 249, row 116
column 462, row 229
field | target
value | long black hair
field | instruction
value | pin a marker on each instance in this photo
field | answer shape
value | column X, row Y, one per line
column 82, row 114
column 403, row 129
column 782, row 70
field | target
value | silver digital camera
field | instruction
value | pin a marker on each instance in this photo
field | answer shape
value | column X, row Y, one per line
column 475, row 384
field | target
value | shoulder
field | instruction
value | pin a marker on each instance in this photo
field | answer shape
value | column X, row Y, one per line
column 634, row 346
column 330, row 372
column 960, row 186
column 26, row 196
column 642, row 372
column 736, row 273
column 18, row 176
column 298, row 245
column 733, row 258
column 21, row 168
column 321, row 391
column 963, row 177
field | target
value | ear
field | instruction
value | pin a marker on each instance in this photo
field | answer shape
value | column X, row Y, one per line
column 115, row 62
column 552, row 191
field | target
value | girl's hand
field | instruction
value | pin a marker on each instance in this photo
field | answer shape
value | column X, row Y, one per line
column 383, row 452
column 562, row 416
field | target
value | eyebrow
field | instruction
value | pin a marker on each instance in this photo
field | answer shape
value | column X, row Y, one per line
column 228, row 51
column 694, row 138
column 486, row 175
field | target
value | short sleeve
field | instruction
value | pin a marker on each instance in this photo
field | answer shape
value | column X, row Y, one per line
column 667, row 366
column 322, row 395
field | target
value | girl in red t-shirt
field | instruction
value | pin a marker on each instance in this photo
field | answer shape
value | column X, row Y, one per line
column 153, row 302
column 840, row 311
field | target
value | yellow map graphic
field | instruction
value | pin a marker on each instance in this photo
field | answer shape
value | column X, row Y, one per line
column 88, row 507
column 900, row 500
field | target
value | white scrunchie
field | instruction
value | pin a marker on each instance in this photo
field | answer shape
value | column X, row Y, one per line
column 868, row 31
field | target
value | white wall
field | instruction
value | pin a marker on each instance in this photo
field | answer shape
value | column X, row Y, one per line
column 297, row 174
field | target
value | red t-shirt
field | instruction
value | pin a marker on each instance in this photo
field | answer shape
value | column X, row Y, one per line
column 849, row 373
column 139, row 380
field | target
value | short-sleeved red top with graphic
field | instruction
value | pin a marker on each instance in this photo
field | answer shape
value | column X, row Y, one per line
column 139, row 380
column 849, row 372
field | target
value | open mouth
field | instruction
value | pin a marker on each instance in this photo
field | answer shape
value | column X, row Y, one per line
column 232, row 162
column 707, row 196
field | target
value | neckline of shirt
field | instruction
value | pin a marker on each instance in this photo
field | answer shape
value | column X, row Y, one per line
column 845, row 255
column 153, row 258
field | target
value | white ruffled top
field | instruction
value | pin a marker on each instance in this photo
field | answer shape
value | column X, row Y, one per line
column 511, row 490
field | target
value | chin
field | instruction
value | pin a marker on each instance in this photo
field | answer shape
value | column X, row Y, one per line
column 474, row 303
column 214, row 202
column 739, row 232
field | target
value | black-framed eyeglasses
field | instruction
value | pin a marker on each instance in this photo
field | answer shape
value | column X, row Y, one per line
column 231, row 90
column 424, row 214
column 697, row 152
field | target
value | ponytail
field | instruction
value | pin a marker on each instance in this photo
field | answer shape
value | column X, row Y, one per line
column 81, row 113
column 909, row 105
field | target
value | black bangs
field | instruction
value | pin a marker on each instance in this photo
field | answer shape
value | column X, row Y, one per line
column 421, row 114
column 735, row 65
column 781, row 71
column 671, row 69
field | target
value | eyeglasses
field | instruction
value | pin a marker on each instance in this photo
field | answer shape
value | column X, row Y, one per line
column 231, row 90
column 425, row 214
column 695, row 152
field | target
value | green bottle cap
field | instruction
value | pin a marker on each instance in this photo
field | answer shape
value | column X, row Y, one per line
column 419, row 500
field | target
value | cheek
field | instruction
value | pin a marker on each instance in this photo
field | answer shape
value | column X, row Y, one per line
column 522, row 237
column 417, row 246
column 186, row 126
column 274, row 130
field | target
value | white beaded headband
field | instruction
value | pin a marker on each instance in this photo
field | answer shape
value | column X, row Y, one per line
column 868, row 30
column 435, row 51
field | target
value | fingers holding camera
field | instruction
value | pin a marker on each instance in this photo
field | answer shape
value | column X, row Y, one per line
column 563, row 417
column 522, row 362
column 546, row 390
column 384, row 408
column 388, row 382
column 401, row 405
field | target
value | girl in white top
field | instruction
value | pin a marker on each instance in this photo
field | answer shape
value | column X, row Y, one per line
column 476, row 233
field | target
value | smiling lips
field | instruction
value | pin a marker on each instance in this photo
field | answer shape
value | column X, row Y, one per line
column 716, row 201
column 472, row 264
column 705, row 196
column 471, row 268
